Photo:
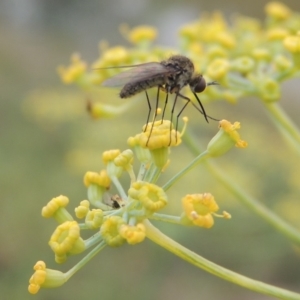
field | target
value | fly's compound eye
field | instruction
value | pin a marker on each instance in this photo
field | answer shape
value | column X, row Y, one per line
column 198, row 84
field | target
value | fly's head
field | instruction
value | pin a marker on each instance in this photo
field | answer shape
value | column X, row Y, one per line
column 197, row 83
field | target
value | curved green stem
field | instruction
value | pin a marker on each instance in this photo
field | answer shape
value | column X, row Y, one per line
column 284, row 124
column 253, row 204
column 159, row 238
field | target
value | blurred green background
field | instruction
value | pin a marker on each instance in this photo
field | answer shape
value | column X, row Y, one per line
column 46, row 154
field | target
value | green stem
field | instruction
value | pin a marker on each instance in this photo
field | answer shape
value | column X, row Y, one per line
column 285, row 124
column 166, row 218
column 85, row 260
column 200, row 158
column 159, row 238
column 253, row 204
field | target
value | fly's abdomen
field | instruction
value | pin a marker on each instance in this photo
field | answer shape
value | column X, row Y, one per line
column 132, row 88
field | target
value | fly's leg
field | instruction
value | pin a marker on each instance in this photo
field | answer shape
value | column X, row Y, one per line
column 154, row 117
column 149, row 110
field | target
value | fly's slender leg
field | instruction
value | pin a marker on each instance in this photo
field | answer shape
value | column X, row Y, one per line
column 154, row 117
column 164, row 110
column 149, row 110
column 172, row 113
column 199, row 109
column 178, row 115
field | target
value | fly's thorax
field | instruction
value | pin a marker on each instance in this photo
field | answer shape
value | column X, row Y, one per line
column 181, row 70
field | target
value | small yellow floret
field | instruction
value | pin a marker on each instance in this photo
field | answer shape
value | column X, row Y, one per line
column 133, row 234
column 94, row 218
column 199, row 208
column 225, row 139
column 150, row 195
column 82, row 210
column 292, row 43
column 109, row 156
column 55, row 208
column 100, row 179
column 74, row 71
column 142, row 33
column 277, row 10
column 66, row 240
column 110, row 231
column 218, row 69
column 46, row 278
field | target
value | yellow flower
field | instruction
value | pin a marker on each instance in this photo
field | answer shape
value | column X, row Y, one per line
column 112, row 57
column 74, row 71
column 218, row 69
column 243, row 64
column 66, row 240
column 225, row 139
column 292, row 43
column 55, row 208
column 124, row 159
column 108, row 158
column 94, row 218
column 150, row 195
column 133, row 234
column 110, row 231
column 100, row 179
column 82, row 210
column 46, row 278
column 97, row 184
column 277, row 33
column 141, row 34
column 277, row 10
column 199, row 208
column 269, row 89
column 143, row 155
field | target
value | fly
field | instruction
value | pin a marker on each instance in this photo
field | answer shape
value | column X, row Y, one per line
column 170, row 76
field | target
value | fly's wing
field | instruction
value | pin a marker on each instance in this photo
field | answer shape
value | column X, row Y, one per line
column 137, row 73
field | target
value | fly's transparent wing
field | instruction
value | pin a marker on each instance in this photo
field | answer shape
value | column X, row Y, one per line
column 137, row 73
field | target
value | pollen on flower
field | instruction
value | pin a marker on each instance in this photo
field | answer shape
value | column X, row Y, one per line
column 133, row 234
column 199, row 208
column 55, row 208
column 66, row 240
column 100, row 179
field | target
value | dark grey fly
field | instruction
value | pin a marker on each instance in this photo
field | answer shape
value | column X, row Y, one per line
column 170, row 76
